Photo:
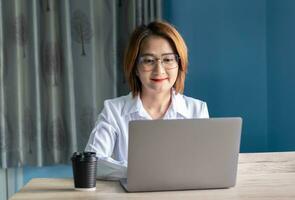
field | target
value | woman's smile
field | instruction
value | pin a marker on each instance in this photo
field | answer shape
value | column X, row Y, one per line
column 158, row 80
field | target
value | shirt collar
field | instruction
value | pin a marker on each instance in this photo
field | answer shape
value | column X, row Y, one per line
column 178, row 104
column 134, row 104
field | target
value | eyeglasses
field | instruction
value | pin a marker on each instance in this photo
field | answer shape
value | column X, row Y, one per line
column 149, row 62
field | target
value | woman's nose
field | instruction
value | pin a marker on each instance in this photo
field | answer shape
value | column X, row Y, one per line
column 159, row 67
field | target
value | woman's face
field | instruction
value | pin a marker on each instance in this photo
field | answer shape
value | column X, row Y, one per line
column 157, row 67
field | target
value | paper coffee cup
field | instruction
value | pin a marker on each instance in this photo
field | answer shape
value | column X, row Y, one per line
column 84, row 170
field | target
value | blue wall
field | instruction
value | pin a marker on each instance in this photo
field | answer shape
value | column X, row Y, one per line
column 281, row 73
column 56, row 171
column 234, row 68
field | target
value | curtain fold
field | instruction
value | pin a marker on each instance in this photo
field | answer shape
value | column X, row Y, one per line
column 59, row 61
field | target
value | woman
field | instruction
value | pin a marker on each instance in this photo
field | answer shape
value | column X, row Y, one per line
column 155, row 66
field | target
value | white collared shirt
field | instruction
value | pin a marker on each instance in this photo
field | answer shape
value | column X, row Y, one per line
column 109, row 138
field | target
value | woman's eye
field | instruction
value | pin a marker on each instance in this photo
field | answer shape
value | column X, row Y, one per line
column 148, row 61
column 168, row 60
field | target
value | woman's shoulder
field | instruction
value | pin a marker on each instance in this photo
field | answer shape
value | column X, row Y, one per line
column 192, row 107
column 118, row 102
column 190, row 101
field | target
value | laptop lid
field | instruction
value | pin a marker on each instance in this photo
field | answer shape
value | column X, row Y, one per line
column 183, row 154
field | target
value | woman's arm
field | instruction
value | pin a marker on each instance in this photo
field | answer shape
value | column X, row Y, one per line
column 102, row 141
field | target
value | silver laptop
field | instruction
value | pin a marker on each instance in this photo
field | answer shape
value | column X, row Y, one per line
column 182, row 154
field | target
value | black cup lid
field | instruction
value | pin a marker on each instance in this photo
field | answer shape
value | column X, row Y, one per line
column 84, row 156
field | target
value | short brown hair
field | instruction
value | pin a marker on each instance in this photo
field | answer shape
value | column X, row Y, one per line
column 157, row 28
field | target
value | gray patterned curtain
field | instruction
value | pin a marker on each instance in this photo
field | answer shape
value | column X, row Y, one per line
column 59, row 60
column 132, row 13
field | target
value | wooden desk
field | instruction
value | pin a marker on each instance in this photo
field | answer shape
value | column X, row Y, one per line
column 261, row 176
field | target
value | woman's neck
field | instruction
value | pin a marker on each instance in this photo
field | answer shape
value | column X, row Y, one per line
column 156, row 104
